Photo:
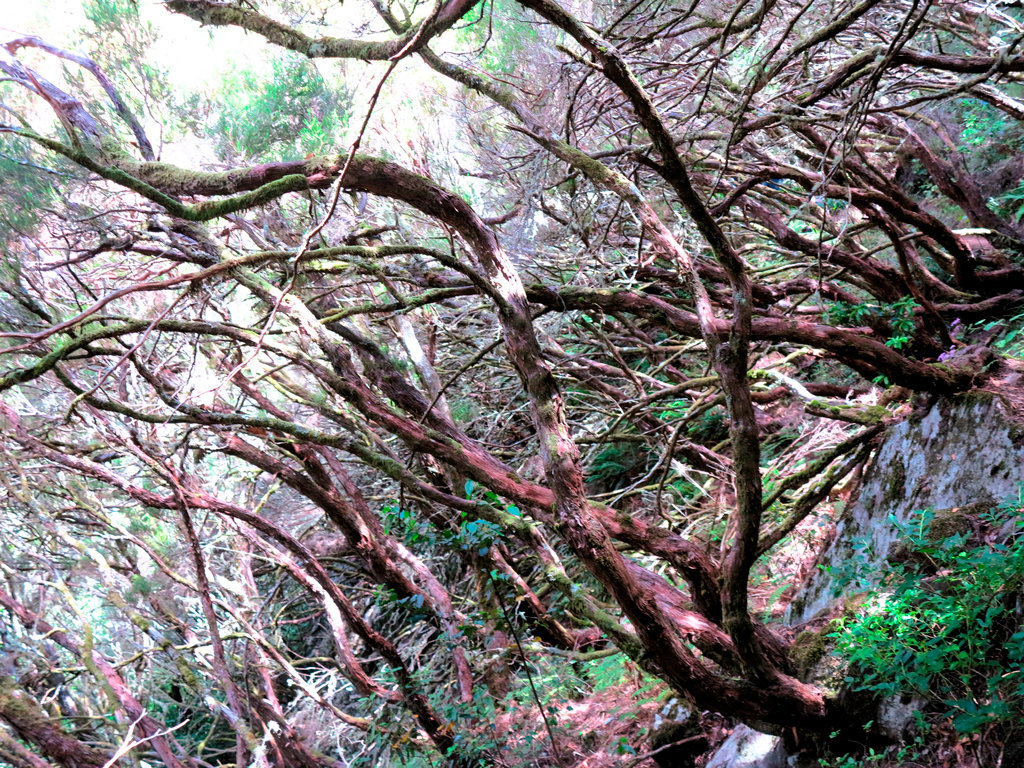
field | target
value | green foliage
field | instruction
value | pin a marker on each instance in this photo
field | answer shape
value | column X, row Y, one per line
column 141, row 586
column 403, row 524
column 119, row 41
column 982, row 123
column 777, row 444
column 674, row 409
column 987, row 135
column 391, row 733
column 947, row 627
column 25, row 188
column 17, row 308
column 283, row 116
column 503, row 33
column 110, row 15
column 899, row 315
column 475, row 534
column 1011, row 335
column 711, row 427
column 616, row 465
column 464, row 410
column 198, row 730
column 475, row 747
column 608, row 672
column 842, row 313
column 849, row 761
column 1010, row 204
column 623, row 747
column 745, row 63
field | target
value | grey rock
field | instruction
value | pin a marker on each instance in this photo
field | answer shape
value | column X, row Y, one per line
column 962, row 451
column 896, row 716
column 746, row 748
column 673, row 711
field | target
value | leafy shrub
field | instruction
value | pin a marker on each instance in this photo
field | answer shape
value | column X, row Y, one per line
column 1010, row 332
column 948, row 627
column 1010, row 204
column 25, row 189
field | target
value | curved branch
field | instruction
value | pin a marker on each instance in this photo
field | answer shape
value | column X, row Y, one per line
column 210, row 12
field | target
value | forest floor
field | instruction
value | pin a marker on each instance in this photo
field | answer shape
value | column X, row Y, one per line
column 610, row 729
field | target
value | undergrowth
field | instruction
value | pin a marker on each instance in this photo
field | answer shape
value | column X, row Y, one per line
column 946, row 626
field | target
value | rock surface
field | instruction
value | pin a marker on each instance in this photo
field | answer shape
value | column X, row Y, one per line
column 896, row 716
column 962, row 451
column 746, row 748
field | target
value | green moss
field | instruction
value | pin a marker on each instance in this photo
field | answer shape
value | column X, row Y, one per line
column 165, row 175
column 976, row 397
column 808, row 649
column 947, row 523
column 895, row 486
column 867, row 415
column 876, row 412
column 1016, row 432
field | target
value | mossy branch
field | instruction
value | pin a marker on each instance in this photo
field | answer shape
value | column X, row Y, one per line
column 816, row 467
column 868, row 416
column 210, row 209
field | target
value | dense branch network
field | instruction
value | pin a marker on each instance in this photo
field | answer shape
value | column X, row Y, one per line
column 714, row 231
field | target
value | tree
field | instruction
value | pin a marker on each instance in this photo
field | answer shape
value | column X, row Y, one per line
column 693, row 199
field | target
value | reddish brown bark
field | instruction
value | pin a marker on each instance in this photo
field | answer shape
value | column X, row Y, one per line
column 147, row 726
column 33, row 726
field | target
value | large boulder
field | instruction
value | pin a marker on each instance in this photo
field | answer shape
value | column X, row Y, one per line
column 747, row 748
column 956, row 453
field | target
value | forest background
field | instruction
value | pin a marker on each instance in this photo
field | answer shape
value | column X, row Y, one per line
column 475, row 383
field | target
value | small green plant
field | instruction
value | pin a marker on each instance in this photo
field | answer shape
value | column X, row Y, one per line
column 617, row 465
column 711, row 427
column 623, row 746
column 842, row 313
column 476, row 534
column 674, row 409
column 946, row 627
column 987, row 135
column 608, row 673
column 849, row 761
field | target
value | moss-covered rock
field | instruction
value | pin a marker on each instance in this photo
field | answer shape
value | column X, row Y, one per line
column 808, row 649
column 954, row 521
column 811, row 653
column 957, row 455
column 943, row 524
